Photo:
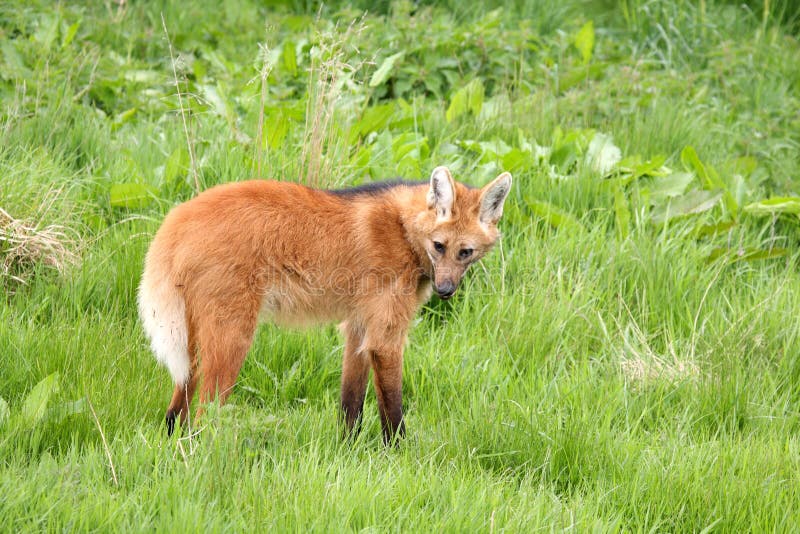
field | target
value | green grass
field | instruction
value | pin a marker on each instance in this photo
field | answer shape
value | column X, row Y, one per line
column 608, row 367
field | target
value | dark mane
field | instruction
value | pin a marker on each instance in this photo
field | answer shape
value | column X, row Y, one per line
column 373, row 188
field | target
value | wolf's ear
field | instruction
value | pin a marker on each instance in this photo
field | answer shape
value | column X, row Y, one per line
column 442, row 194
column 493, row 195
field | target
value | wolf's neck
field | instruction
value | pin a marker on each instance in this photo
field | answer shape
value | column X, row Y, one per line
column 410, row 202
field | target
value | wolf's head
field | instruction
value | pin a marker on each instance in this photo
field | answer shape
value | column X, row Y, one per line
column 459, row 226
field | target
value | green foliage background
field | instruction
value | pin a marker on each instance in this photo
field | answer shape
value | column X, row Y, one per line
column 627, row 359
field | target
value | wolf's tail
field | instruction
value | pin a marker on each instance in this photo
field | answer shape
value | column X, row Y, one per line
column 163, row 312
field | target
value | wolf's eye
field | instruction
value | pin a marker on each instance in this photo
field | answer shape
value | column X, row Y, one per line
column 464, row 253
column 439, row 247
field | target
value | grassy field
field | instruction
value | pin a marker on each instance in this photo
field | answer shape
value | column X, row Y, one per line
column 625, row 360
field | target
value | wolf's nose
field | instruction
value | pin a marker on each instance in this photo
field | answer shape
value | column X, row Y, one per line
column 446, row 290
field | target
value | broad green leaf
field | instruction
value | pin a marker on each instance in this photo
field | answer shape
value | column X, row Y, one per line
column 459, row 104
column 564, row 156
column 717, row 253
column 584, row 41
column 373, row 118
column 636, row 168
column 200, row 69
column 692, row 162
column 669, row 186
column 516, row 159
column 69, row 35
column 691, row 203
column 467, row 99
column 401, row 87
column 709, row 178
column 774, row 206
column 748, row 254
column 404, row 143
column 290, row 57
column 727, row 197
column 131, row 195
column 35, row 404
column 653, row 167
column 714, row 229
column 476, row 96
column 13, row 63
column 434, row 82
column 580, row 137
column 555, row 217
column 490, row 151
column 385, row 70
column 408, row 150
column 177, row 164
column 122, row 118
column 757, row 254
column 580, row 73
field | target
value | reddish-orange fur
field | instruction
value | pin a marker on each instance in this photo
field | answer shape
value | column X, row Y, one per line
column 279, row 251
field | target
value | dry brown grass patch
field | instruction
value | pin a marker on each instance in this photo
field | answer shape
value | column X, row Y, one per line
column 24, row 245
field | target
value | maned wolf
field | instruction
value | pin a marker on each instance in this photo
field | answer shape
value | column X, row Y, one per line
column 255, row 251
